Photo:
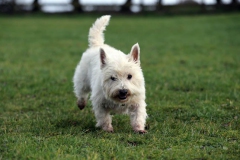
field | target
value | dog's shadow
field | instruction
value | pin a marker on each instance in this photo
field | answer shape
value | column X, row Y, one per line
column 82, row 126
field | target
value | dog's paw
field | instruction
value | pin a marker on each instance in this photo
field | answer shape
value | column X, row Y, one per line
column 141, row 131
column 108, row 129
column 81, row 104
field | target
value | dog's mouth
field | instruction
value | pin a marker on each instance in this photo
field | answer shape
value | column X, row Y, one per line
column 122, row 97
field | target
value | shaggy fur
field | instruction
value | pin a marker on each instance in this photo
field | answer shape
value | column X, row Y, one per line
column 114, row 79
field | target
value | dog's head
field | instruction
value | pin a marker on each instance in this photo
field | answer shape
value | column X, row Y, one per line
column 122, row 77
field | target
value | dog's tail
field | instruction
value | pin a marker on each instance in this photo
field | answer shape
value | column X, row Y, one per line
column 96, row 36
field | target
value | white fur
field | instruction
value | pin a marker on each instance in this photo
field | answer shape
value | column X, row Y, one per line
column 96, row 37
column 105, row 72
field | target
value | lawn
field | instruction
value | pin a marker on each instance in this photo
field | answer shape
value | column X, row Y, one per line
column 191, row 66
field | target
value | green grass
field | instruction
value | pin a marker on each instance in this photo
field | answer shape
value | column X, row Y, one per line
column 191, row 66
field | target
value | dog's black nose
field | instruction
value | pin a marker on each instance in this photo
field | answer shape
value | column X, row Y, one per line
column 123, row 92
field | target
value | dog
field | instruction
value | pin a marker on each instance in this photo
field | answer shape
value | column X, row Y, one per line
column 114, row 79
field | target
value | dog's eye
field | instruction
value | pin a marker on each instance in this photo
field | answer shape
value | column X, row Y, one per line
column 113, row 78
column 129, row 76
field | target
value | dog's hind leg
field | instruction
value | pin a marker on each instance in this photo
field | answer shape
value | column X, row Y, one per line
column 82, row 100
column 82, row 95
column 81, row 88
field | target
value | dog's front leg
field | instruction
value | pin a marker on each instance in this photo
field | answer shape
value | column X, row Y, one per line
column 103, row 117
column 138, row 117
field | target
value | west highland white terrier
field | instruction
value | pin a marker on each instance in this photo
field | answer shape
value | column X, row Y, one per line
column 114, row 79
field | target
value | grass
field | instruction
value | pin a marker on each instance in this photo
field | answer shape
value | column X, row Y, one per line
column 192, row 72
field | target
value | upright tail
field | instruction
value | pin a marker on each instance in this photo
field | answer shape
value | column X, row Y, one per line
column 96, row 36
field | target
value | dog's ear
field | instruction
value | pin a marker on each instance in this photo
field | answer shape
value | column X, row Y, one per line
column 135, row 53
column 102, row 57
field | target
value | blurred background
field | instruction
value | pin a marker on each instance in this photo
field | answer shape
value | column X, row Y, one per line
column 119, row 6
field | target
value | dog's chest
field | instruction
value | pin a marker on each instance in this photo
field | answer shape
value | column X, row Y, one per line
column 114, row 107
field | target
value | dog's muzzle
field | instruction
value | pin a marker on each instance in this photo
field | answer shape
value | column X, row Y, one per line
column 123, row 94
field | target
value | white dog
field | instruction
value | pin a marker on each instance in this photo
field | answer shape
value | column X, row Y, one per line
column 114, row 79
